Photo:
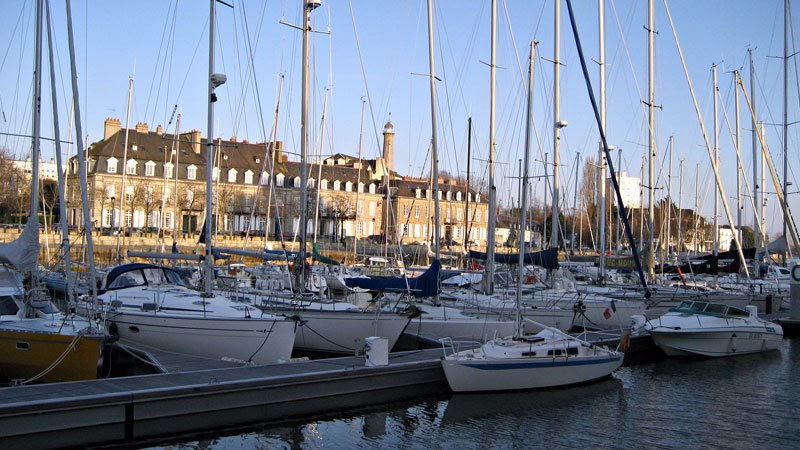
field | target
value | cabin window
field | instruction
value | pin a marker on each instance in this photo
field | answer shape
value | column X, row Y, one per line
column 528, row 353
column 8, row 307
column 23, row 346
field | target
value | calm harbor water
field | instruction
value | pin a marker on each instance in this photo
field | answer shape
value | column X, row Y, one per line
column 748, row 402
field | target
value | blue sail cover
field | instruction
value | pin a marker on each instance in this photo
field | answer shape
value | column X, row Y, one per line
column 425, row 285
column 545, row 258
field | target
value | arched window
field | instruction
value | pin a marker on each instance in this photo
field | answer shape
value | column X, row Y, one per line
column 149, row 169
column 348, row 186
column 323, row 184
column 248, row 177
column 191, row 172
column 336, row 185
column 279, row 179
column 296, row 182
column 112, row 165
column 372, row 188
column 232, row 175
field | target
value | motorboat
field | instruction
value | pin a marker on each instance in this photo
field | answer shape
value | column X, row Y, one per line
column 149, row 304
column 707, row 329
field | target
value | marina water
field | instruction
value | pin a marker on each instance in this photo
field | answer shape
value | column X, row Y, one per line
column 747, row 402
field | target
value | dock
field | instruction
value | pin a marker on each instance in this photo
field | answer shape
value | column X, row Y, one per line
column 194, row 401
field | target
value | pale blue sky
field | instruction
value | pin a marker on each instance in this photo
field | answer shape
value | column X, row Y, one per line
column 167, row 53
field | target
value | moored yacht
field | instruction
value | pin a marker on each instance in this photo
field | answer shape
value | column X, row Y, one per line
column 711, row 329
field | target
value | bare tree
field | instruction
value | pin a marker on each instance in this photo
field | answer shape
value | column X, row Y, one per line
column 151, row 201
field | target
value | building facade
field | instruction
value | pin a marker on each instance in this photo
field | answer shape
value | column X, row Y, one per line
column 159, row 183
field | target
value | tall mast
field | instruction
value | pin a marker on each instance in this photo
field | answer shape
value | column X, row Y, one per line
column 651, row 144
column 309, row 5
column 680, row 207
column 62, row 204
column 756, row 160
column 468, row 236
column 668, row 204
column 214, row 80
column 524, row 194
column 556, row 122
column 177, row 146
column 716, row 160
column 575, row 212
column 124, row 173
column 488, row 278
column 37, row 112
column 434, row 155
column 81, row 155
column 785, row 108
column 601, row 200
column 739, row 167
column 358, row 180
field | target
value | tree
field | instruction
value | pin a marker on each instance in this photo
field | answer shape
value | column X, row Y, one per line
column 340, row 207
column 587, row 195
column 150, row 202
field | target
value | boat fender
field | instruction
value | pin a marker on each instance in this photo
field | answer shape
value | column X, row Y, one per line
column 624, row 341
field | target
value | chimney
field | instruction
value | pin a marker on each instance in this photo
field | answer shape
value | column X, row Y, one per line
column 142, row 127
column 159, row 130
column 388, row 146
column 194, row 139
column 233, row 139
column 112, row 126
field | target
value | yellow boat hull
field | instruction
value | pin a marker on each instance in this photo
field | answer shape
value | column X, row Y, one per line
column 25, row 354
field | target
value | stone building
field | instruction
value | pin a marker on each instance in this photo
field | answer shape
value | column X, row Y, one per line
column 257, row 188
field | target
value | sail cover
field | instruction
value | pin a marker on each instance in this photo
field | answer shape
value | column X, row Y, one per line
column 425, row 285
column 23, row 253
column 546, row 258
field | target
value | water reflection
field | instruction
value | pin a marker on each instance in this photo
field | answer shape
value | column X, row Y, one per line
column 738, row 402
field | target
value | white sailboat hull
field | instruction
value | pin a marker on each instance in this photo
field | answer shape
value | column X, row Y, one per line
column 344, row 331
column 526, row 373
column 260, row 341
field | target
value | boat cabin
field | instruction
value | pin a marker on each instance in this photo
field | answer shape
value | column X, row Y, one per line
column 709, row 309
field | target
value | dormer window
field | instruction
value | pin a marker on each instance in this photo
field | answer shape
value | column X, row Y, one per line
column 311, row 183
column 111, row 165
column 348, row 186
column 341, row 161
column 449, row 196
column 131, row 167
column 361, row 188
column 215, row 174
column 168, row 168
column 477, row 198
column 149, row 169
column 323, row 184
column 248, row 177
column 232, row 175
column 418, row 193
column 372, row 188
column 279, row 179
column 264, row 180
column 191, row 172
column 296, row 182
column 336, row 185
column 134, row 147
column 458, row 196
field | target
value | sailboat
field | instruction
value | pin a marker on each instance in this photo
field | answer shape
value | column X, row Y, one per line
column 547, row 359
column 149, row 304
column 37, row 341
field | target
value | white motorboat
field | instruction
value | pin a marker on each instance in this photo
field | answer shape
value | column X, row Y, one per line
column 711, row 329
column 545, row 360
column 148, row 304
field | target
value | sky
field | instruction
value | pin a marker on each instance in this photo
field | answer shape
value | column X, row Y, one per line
column 375, row 54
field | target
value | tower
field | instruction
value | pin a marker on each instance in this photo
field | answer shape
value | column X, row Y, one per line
column 388, row 146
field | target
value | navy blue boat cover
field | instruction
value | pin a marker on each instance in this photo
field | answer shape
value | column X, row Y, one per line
column 425, row 285
column 545, row 258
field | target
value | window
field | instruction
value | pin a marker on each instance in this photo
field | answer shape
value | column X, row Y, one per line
column 149, row 169
column 167, row 220
column 449, row 196
column 323, row 184
column 458, row 196
column 459, row 214
column 296, row 182
column 477, row 198
column 337, row 185
column 360, row 208
column 478, row 215
column 128, row 219
column 232, row 176
column 131, row 167
column 191, row 172
column 112, row 165
column 248, row 177
column 406, row 210
column 439, row 195
column 129, row 194
column 279, row 179
column 361, row 188
column 427, row 193
column 311, row 183
column 359, row 228
column 372, row 208
column 264, row 178
column 111, row 191
column 215, row 174
column 189, row 196
column 168, row 167
column 416, row 211
column 418, row 193
column 348, row 186
column 167, row 194
column 108, row 218
column 447, row 214
column 371, row 188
